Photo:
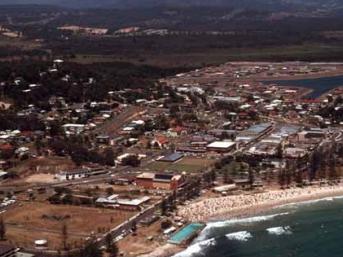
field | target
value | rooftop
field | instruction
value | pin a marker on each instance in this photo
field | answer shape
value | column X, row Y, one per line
column 221, row 144
column 171, row 157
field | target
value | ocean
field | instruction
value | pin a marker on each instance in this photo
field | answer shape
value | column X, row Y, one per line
column 308, row 229
column 319, row 85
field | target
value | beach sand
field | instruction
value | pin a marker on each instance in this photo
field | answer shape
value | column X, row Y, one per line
column 250, row 204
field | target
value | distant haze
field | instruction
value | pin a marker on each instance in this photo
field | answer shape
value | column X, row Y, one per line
column 153, row 3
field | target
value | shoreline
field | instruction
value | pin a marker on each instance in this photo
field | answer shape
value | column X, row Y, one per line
column 237, row 206
column 300, row 195
column 318, row 75
column 266, row 207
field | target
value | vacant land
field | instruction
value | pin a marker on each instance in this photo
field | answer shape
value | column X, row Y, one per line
column 187, row 164
column 146, row 240
column 43, row 165
column 210, row 56
column 32, row 221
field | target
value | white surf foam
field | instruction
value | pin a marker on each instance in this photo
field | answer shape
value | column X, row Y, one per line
column 240, row 236
column 254, row 219
column 308, row 202
column 218, row 224
column 196, row 248
column 280, row 231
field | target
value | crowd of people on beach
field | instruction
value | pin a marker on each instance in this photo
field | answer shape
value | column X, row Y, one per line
column 218, row 207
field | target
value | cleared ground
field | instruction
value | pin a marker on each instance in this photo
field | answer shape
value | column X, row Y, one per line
column 31, row 221
column 140, row 243
column 43, row 165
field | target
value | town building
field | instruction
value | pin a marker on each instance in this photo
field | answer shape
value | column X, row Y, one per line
column 160, row 181
column 221, row 146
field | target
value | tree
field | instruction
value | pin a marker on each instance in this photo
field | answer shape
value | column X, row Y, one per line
column 289, row 173
column 67, row 199
column 114, row 250
column 165, row 224
column 226, row 177
column 332, row 167
column 55, row 129
column 108, row 242
column 279, row 151
column 251, row 177
column 282, row 177
column 134, row 227
column 109, row 191
column 322, row 169
column 38, row 145
column 65, row 236
column 2, row 229
column 213, row 175
column 131, row 160
column 109, row 157
column 91, row 250
column 163, row 207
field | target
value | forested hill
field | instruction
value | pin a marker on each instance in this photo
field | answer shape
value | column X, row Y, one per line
column 253, row 4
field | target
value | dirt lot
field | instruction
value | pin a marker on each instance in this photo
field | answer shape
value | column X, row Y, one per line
column 186, row 164
column 47, row 165
column 40, row 178
column 31, row 221
column 140, row 244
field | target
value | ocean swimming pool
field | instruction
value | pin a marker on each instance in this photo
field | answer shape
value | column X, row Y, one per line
column 186, row 233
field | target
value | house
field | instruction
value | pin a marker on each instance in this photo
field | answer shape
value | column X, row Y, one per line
column 3, row 174
column 294, row 152
column 4, row 164
column 178, row 130
column 160, row 142
column 21, row 151
column 103, row 140
column 73, row 129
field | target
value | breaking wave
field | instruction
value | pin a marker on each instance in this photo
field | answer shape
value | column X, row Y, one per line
column 218, row 224
column 254, row 219
column 196, row 248
column 309, row 202
column 280, row 231
column 240, row 236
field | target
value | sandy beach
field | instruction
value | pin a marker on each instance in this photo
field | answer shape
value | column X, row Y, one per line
column 166, row 250
column 251, row 204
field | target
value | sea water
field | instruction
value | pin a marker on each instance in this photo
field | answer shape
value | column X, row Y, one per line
column 318, row 85
column 308, row 229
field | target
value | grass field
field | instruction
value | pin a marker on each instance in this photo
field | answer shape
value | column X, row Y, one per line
column 19, row 43
column 33, row 221
column 309, row 52
column 186, row 164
